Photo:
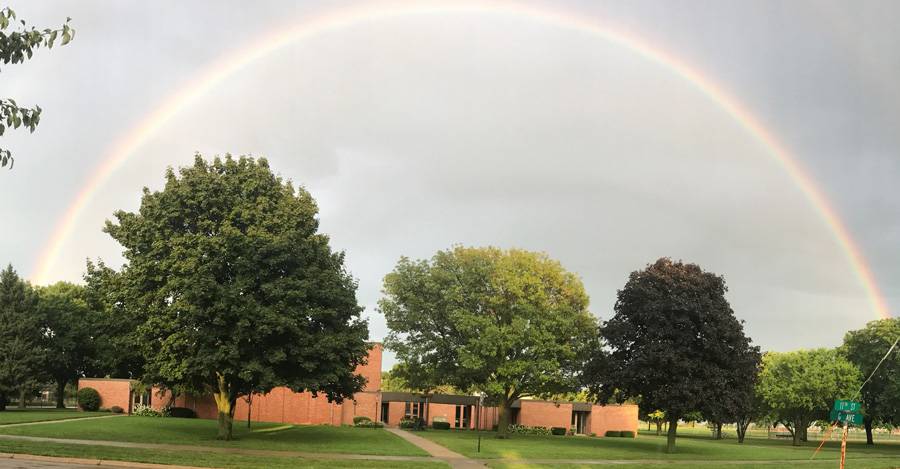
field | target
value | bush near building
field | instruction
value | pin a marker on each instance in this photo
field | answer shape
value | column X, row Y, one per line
column 88, row 399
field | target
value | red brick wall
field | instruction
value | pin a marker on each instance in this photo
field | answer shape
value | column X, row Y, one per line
column 545, row 414
column 372, row 369
column 447, row 411
column 613, row 417
column 395, row 413
column 112, row 391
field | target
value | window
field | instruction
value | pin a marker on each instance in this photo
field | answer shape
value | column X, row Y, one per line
column 413, row 410
column 463, row 416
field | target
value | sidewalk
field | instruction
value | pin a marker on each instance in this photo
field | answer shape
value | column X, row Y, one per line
column 456, row 460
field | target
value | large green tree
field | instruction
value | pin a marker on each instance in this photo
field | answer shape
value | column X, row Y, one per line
column 22, row 348
column 673, row 343
column 866, row 348
column 116, row 322
column 71, row 328
column 506, row 323
column 800, row 387
column 239, row 289
column 17, row 46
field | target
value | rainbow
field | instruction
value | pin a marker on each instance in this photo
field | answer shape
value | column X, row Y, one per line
column 345, row 17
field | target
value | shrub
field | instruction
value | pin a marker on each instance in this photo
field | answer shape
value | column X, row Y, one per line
column 613, row 433
column 360, row 418
column 526, row 430
column 142, row 410
column 627, row 434
column 182, row 413
column 558, row 431
column 440, row 425
column 88, row 399
column 116, row 409
column 407, row 423
column 368, row 424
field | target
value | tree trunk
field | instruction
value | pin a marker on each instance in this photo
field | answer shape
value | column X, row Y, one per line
column 742, row 426
column 22, row 393
column 61, row 393
column 2, row 401
column 718, row 430
column 223, row 405
column 670, row 436
column 867, row 421
column 503, row 419
column 658, row 427
column 799, row 432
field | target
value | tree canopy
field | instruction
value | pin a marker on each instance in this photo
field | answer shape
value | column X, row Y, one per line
column 800, row 387
column 673, row 343
column 505, row 323
column 71, row 329
column 16, row 47
column 239, row 290
column 22, row 347
column 881, row 395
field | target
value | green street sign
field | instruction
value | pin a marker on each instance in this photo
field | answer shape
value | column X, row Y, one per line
column 846, row 406
column 846, row 417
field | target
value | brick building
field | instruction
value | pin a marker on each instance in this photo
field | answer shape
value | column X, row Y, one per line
column 282, row 405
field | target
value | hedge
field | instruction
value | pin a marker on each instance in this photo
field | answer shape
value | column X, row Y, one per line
column 627, row 434
column 360, row 418
column 558, row 431
column 88, row 399
column 116, row 409
column 182, row 412
column 613, row 433
column 368, row 424
column 440, row 425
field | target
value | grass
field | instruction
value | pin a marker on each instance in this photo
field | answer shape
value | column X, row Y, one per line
column 645, row 447
column 200, row 432
column 197, row 458
column 9, row 416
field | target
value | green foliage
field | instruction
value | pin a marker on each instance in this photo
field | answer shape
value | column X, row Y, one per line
column 116, row 409
column 399, row 377
column 369, row 424
column 116, row 321
column 182, row 413
column 558, row 431
column 360, row 418
column 674, row 343
column 88, row 399
column 71, row 329
column 612, row 433
column 16, row 46
column 408, row 423
column 22, row 341
column 508, row 323
column 881, row 395
column 627, row 434
column 237, row 290
column 440, row 425
column 800, row 387
column 141, row 410
column 526, row 430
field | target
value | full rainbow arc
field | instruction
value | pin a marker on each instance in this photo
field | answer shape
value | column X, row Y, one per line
column 232, row 62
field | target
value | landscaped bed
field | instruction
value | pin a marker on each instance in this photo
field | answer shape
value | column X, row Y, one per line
column 200, row 432
column 652, row 448
column 9, row 415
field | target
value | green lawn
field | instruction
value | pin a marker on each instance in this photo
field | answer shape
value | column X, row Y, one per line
column 201, row 432
column 200, row 459
column 9, row 416
column 653, row 448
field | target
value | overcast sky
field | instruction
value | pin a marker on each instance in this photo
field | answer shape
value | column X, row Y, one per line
column 418, row 133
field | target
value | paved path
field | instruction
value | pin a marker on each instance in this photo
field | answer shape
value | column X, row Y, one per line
column 29, row 461
column 218, row 449
column 456, row 460
column 43, row 422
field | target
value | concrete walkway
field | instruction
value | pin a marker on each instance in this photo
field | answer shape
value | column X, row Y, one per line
column 454, row 459
column 29, row 461
column 42, row 422
column 218, row 449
